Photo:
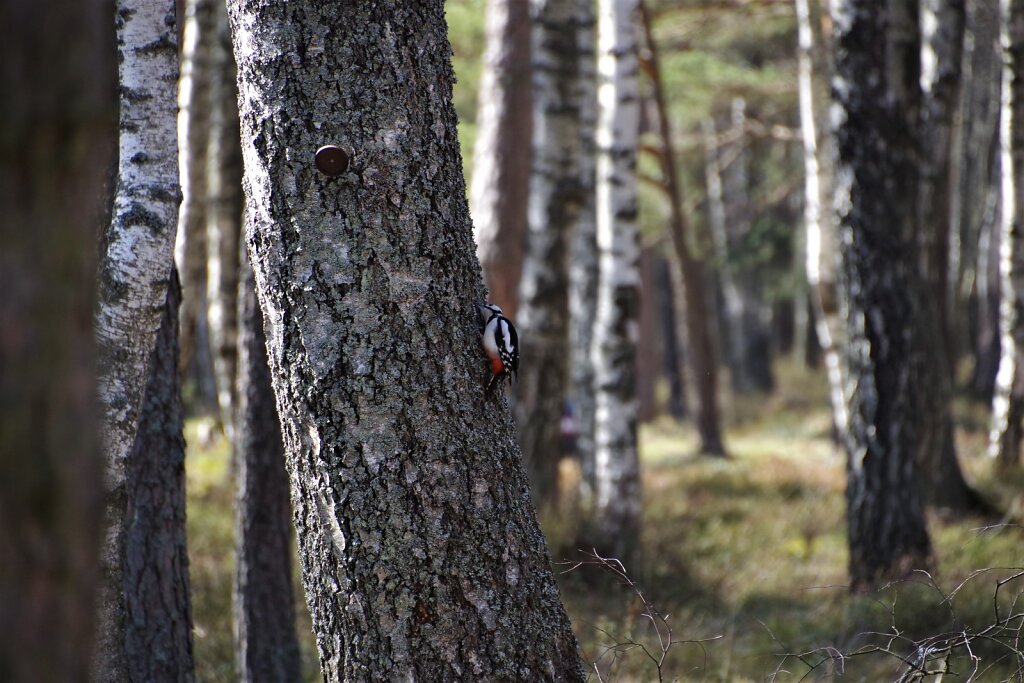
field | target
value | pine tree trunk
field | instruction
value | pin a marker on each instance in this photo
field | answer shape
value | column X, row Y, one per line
column 876, row 183
column 158, row 644
column 700, row 346
column 554, row 205
column 133, row 282
column 648, row 343
column 1008, row 406
column 58, row 121
column 266, row 647
column 421, row 554
column 618, row 507
column 821, row 231
column 191, row 248
column 223, row 216
column 583, row 264
column 501, row 156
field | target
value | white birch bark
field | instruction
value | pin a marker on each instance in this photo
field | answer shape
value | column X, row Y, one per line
column 223, row 159
column 822, row 233
column 552, row 213
column 583, row 266
column 618, row 504
column 134, row 275
column 1008, row 404
column 190, row 249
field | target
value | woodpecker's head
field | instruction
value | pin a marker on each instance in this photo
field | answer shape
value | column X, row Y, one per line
column 487, row 311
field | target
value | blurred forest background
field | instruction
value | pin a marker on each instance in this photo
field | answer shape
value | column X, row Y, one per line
column 770, row 406
column 745, row 556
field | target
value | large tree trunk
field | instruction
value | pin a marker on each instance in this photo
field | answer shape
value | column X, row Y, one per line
column 942, row 41
column 700, row 346
column 60, row 106
column 821, row 232
column 876, row 180
column 554, row 206
column 1008, row 406
column 976, row 214
column 158, row 635
column 421, row 554
column 501, row 156
column 266, row 647
column 583, row 264
column 223, row 216
column 133, row 282
column 191, row 248
column 618, row 505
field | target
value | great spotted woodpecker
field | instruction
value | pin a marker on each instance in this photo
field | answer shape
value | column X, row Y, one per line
column 501, row 344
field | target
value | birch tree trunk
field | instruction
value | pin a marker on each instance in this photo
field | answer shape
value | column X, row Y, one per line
column 58, row 121
column 421, row 554
column 583, row 268
column 501, row 156
column 977, row 212
column 223, row 215
column 554, row 205
column 877, row 98
column 191, row 249
column 821, row 231
column 746, row 317
column 158, row 621
column 618, row 505
column 133, row 282
column 1008, row 405
column 266, row 647
column 700, row 347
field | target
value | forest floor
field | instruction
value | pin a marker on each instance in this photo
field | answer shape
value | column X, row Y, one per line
column 747, row 555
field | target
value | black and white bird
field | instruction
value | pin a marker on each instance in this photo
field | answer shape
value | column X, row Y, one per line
column 500, row 342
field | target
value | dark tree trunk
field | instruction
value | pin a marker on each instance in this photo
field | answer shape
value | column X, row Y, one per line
column 266, row 647
column 58, row 124
column 648, row 345
column 554, row 206
column 158, row 631
column 421, row 555
column 674, row 354
column 877, row 93
column 703, row 366
column 501, row 157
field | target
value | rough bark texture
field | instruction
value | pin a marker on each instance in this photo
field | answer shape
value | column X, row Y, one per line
column 421, row 555
column 190, row 250
column 266, row 647
column 223, row 215
column 875, row 189
column 501, row 157
column 617, row 469
column 554, row 205
column 700, row 346
column 583, row 264
column 158, row 634
column 133, row 280
column 820, row 229
column 57, row 143
column 1008, row 405
column 745, row 317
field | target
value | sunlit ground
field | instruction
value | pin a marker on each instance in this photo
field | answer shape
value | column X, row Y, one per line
column 747, row 555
